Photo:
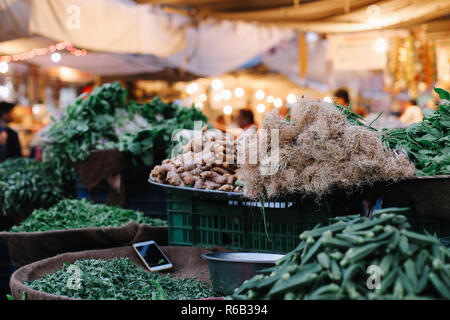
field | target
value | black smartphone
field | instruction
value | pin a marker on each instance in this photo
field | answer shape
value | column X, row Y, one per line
column 152, row 256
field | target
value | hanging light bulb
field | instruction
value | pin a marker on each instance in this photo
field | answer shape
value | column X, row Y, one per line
column 217, row 84
column 217, row 97
column 239, row 92
column 261, row 108
column 259, row 95
column 56, row 57
column 4, row 67
column 226, row 94
column 291, row 98
column 192, row 88
column 227, row 109
column 278, row 103
column 380, row 45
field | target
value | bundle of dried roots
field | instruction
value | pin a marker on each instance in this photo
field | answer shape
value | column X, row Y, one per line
column 317, row 149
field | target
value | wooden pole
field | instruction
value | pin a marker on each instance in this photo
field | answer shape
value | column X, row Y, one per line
column 302, row 54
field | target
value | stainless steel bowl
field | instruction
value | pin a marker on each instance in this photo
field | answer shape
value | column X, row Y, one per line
column 228, row 270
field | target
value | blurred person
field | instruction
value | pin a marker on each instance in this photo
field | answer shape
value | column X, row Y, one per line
column 412, row 113
column 9, row 140
column 245, row 119
column 342, row 97
column 220, row 123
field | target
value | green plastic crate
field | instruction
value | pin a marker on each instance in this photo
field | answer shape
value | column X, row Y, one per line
column 238, row 225
column 439, row 227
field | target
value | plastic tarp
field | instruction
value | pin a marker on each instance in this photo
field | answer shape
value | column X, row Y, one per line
column 209, row 48
column 219, row 47
column 109, row 26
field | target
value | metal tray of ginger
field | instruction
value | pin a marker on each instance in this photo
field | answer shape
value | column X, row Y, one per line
column 215, row 194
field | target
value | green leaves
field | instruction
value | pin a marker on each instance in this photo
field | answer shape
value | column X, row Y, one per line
column 72, row 214
column 26, row 184
column 120, row 279
column 427, row 142
column 102, row 120
column 442, row 93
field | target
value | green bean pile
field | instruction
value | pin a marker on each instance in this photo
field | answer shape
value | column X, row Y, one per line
column 332, row 263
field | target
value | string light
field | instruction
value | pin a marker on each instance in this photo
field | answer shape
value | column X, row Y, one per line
column 260, row 108
column 203, row 97
column 4, row 67
column 270, row 99
column 239, row 92
column 217, row 97
column 278, row 103
column 56, row 57
column 259, row 94
column 227, row 109
column 327, row 99
column 65, row 45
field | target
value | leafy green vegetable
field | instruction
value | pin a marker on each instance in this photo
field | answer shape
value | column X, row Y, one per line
column 26, row 184
column 119, row 279
column 102, row 120
column 71, row 214
column 427, row 143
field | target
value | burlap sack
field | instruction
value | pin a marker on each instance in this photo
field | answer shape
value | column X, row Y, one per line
column 27, row 247
column 105, row 165
column 187, row 263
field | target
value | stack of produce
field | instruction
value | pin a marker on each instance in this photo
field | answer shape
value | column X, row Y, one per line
column 27, row 184
column 102, row 120
column 338, row 262
column 119, row 279
column 321, row 146
column 207, row 162
column 72, row 214
column 427, row 143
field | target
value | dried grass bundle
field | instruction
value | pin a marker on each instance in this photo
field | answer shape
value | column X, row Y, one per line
column 320, row 150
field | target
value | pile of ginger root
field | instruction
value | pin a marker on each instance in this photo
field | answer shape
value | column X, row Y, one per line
column 207, row 162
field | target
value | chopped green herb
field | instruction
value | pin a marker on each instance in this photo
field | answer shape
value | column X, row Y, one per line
column 119, row 279
column 71, row 214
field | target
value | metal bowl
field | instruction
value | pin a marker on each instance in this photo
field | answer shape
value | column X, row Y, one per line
column 228, row 270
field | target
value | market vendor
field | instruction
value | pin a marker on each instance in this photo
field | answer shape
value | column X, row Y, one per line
column 9, row 140
column 412, row 113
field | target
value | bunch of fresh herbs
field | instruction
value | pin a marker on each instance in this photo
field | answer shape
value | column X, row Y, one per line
column 427, row 143
column 71, row 214
column 103, row 120
column 118, row 279
column 26, row 184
